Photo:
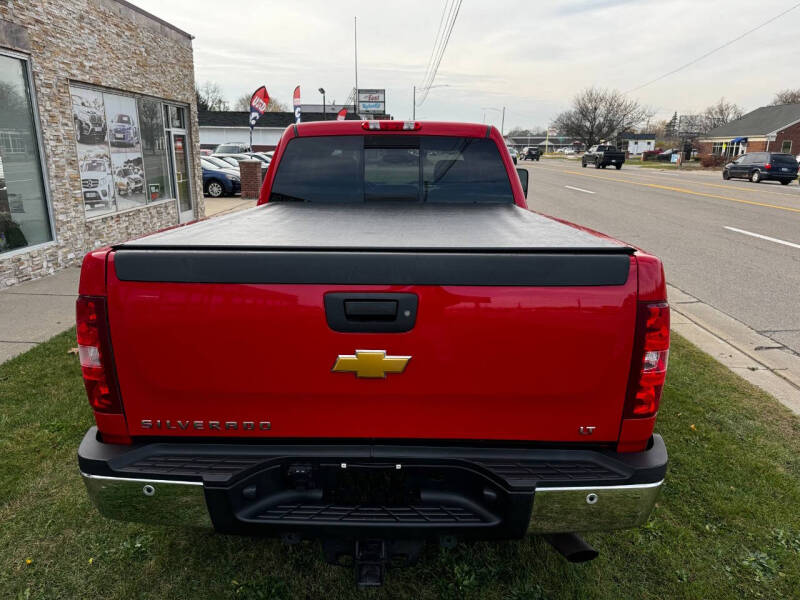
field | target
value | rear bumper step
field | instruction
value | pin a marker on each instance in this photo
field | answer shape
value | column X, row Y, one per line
column 358, row 491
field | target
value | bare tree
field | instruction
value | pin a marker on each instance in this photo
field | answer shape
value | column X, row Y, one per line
column 210, row 97
column 719, row 114
column 243, row 103
column 598, row 114
column 787, row 97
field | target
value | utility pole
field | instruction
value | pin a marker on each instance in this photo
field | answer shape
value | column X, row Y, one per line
column 355, row 51
column 322, row 91
column 503, row 122
column 414, row 103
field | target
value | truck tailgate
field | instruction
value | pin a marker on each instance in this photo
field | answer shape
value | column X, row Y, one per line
column 206, row 347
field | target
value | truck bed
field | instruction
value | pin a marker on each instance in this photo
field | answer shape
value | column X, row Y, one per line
column 377, row 245
column 414, row 227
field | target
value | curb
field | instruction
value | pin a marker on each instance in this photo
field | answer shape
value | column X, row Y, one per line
column 760, row 360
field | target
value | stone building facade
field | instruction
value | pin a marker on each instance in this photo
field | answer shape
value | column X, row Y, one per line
column 80, row 75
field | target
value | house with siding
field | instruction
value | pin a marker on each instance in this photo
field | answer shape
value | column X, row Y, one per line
column 766, row 129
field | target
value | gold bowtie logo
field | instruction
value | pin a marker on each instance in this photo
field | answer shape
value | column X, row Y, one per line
column 370, row 363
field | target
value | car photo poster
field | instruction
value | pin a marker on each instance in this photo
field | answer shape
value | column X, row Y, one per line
column 109, row 145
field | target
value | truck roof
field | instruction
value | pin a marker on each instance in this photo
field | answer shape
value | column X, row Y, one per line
column 315, row 128
column 385, row 227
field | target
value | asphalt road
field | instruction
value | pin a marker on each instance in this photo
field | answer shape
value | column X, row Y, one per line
column 701, row 227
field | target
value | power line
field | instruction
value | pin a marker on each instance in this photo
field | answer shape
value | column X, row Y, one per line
column 455, row 8
column 438, row 49
column 717, row 49
column 436, row 40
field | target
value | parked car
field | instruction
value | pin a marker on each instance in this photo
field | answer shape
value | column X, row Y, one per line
column 89, row 122
column 128, row 181
column 603, row 155
column 531, row 153
column 331, row 365
column 762, row 166
column 96, row 183
column 219, row 181
column 232, row 148
column 206, row 152
column 235, row 158
column 260, row 156
column 512, row 151
column 123, row 131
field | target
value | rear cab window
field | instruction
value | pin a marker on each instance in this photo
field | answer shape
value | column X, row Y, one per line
column 392, row 168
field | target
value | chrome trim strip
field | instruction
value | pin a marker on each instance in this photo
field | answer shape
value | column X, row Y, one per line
column 169, row 481
column 633, row 486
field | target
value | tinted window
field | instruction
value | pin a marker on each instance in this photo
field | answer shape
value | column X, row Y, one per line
column 784, row 159
column 392, row 168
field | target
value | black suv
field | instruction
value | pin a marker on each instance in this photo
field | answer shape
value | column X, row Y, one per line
column 760, row 166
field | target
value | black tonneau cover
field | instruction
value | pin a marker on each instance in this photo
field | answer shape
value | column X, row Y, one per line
column 358, row 244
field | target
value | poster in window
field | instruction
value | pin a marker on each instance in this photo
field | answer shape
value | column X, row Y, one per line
column 125, row 142
column 94, row 158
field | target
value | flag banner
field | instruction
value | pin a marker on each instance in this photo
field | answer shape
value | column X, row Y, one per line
column 258, row 105
column 296, row 102
column 342, row 115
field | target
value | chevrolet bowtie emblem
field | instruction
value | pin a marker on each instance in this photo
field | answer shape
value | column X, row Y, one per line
column 370, row 363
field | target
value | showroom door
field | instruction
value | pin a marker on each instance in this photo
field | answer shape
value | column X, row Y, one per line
column 183, row 187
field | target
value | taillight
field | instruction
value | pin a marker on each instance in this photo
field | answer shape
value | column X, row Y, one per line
column 768, row 166
column 94, row 350
column 649, row 366
column 391, row 125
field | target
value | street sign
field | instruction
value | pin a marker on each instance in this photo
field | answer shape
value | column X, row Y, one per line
column 372, row 101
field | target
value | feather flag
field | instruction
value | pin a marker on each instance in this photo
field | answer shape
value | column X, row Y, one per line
column 342, row 115
column 296, row 102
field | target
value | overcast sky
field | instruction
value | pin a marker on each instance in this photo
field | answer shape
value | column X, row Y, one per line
column 528, row 56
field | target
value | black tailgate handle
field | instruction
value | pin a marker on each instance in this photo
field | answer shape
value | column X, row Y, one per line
column 371, row 312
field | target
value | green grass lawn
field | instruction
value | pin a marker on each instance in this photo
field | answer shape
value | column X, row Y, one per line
column 726, row 526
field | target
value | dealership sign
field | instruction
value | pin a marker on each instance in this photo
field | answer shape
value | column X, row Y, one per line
column 372, row 101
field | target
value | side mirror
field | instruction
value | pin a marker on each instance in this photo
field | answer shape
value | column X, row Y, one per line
column 523, row 179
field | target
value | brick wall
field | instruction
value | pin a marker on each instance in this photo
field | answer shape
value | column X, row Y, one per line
column 791, row 134
column 105, row 43
column 251, row 178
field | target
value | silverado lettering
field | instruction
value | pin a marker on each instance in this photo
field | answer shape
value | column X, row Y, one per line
column 209, row 425
column 539, row 356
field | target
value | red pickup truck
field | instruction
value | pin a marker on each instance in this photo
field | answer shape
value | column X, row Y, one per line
column 389, row 349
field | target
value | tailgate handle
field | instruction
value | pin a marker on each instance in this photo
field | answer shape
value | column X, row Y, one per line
column 371, row 312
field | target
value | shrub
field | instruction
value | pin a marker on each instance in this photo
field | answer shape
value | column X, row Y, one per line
column 712, row 160
column 650, row 154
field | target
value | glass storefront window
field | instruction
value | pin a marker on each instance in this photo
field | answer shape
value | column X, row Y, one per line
column 154, row 150
column 24, row 218
column 123, row 156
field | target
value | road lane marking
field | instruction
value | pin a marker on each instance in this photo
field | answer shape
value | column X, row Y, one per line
column 685, row 191
column 656, row 174
column 569, row 187
column 764, row 237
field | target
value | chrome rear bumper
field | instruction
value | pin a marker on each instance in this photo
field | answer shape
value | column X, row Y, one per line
column 555, row 510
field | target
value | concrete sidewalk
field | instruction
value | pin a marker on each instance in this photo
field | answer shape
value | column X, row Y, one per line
column 34, row 312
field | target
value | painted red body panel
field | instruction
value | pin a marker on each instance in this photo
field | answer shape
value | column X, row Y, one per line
column 493, row 363
column 500, row 363
column 322, row 128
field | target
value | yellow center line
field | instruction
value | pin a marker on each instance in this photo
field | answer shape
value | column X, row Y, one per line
column 693, row 182
column 684, row 191
column 724, row 187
